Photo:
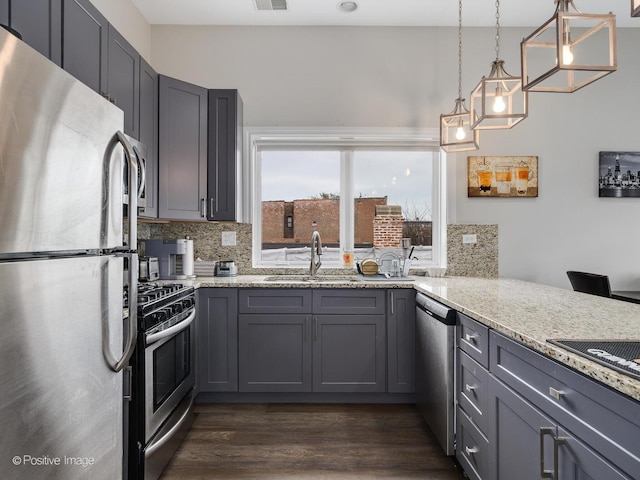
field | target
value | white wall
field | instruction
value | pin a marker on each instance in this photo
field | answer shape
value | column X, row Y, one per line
column 407, row 77
column 128, row 20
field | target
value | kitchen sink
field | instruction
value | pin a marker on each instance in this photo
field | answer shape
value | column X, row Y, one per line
column 314, row 279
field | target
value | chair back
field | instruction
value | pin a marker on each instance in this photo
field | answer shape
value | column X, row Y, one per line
column 590, row 283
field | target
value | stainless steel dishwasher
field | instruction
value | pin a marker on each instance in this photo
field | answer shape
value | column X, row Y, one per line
column 436, row 368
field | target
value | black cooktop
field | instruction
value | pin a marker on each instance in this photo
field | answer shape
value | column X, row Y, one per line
column 620, row 355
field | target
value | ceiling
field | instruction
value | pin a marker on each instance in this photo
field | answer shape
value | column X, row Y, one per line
column 371, row 12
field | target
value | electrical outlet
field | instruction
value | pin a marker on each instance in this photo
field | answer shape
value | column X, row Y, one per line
column 228, row 239
column 470, row 239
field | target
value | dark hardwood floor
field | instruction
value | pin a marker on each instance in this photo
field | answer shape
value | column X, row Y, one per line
column 309, row 441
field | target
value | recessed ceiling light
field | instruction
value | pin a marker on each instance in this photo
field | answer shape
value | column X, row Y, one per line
column 347, row 6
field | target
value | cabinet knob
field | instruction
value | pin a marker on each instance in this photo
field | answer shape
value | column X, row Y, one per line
column 471, row 450
column 470, row 388
column 557, row 394
column 470, row 338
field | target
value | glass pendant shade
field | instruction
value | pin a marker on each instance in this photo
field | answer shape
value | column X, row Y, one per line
column 569, row 51
column 456, row 134
column 635, row 8
column 498, row 101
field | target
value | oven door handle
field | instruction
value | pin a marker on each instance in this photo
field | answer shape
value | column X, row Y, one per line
column 178, row 327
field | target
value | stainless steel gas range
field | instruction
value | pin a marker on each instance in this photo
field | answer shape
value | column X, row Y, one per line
column 163, row 375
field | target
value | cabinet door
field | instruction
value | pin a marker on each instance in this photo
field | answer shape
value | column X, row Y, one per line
column 218, row 340
column 148, row 133
column 182, row 152
column 85, row 43
column 39, row 22
column 401, row 340
column 123, row 80
column 523, row 437
column 349, row 353
column 225, row 152
column 274, row 353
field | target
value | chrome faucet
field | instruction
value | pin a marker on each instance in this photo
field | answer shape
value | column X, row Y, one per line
column 316, row 251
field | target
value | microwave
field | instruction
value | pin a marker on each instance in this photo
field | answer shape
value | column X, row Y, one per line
column 140, row 151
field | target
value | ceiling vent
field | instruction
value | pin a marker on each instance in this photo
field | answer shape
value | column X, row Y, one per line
column 271, row 4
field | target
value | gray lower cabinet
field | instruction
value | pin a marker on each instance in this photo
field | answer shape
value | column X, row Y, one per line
column 182, row 186
column 529, row 417
column 217, row 339
column 531, row 446
column 39, row 22
column 300, row 340
column 401, row 340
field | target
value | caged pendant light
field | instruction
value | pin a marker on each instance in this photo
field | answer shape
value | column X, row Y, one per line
column 571, row 50
column 498, row 101
column 456, row 134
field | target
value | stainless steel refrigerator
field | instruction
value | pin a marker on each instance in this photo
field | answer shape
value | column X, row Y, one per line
column 64, row 341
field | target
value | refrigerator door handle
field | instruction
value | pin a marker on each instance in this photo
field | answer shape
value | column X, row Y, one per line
column 131, row 321
column 143, row 172
column 131, row 159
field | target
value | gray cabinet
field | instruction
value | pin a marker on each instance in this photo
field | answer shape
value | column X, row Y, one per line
column 401, row 338
column 39, row 22
column 182, row 187
column 123, row 79
column 148, row 134
column 300, row 340
column 217, row 340
column 225, row 153
column 530, row 445
column 85, row 39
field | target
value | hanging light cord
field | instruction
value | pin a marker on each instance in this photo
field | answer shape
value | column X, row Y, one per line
column 497, row 29
column 459, row 48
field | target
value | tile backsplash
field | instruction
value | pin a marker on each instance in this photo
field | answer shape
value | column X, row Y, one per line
column 473, row 260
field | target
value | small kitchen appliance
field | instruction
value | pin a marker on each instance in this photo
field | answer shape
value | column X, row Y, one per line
column 226, row 268
column 149, row 269
column 173, row 257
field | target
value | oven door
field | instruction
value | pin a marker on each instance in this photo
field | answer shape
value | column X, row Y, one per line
column 169, row 371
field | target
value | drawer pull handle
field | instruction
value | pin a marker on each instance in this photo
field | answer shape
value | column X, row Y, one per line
column 470, row 388
column 470, row 338
column 544, row 473
column 471, row 450
column 557, row 394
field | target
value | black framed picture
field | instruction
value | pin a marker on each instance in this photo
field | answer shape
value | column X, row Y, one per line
column 619, row 174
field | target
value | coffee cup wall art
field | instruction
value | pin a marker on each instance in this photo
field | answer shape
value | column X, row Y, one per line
column 502, row 176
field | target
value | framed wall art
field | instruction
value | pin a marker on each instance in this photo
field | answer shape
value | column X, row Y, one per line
column 502, row 176
column 619, row 174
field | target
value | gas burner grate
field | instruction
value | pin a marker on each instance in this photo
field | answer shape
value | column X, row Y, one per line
column 620, row 355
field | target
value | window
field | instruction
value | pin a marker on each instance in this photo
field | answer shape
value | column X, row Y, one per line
column 362, row 190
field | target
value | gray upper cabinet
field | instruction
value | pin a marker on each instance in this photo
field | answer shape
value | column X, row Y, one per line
column 225, row 153
column 39, row 22
column 85, row 39
column 123, row 80
column 218, row 340
column 401, row 338
column 182, row 188
column 148, row 134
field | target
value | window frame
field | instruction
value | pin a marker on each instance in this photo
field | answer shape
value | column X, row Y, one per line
column 258, row 139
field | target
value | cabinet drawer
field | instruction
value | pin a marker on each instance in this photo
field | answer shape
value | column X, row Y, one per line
column 474, row 339
column 349, row 301
column 273, row 300
column 472, row 449
column 604, row 419
column 473, row 395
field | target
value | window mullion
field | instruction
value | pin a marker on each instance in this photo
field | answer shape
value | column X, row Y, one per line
column 346, row 200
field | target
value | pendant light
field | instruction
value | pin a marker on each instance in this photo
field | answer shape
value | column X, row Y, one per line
column 571, row 50
column 498, row 101
column 635, row 8
column 456, row 134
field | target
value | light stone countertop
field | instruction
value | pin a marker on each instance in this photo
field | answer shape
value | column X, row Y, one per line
column 527, row 312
